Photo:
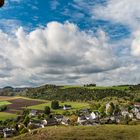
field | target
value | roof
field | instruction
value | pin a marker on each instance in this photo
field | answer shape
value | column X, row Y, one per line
column 33, row 111
column 136, row 104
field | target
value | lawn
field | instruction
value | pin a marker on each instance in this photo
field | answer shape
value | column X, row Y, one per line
column 4, row 103
column 75, row 106
column 103, row 132
column 4, row 116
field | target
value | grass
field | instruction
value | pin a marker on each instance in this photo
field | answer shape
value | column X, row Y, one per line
column 103, row 132
column 4, row 103
column 98, row 87
column 75, row 106
column 4, row 116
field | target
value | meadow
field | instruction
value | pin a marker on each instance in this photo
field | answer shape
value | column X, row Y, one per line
column 75, row 106
column 97, row 87
column 103, row 132
column 16, row 104
column 5, row 115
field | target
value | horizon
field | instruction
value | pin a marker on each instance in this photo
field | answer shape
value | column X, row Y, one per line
column 69, row 42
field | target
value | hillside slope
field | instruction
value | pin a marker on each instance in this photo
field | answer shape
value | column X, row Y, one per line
column 105, row 132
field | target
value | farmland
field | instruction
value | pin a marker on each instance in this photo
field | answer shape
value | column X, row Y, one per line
column 5, row 115
column 75, row 106
column 15, row 104
column 104, row 132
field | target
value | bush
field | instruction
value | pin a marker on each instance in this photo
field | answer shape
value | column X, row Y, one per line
column 3, row 108
column 32, row 126
column 47, row 110
column 66, row 113
column 55, row 105
column 24, row 130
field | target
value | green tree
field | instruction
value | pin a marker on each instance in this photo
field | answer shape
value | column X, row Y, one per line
column 26, row 120
column 55, row 105
column 110, row 109
column 102, row 110
column 47, row 110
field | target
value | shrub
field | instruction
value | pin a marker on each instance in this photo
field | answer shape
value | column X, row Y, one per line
column 47, row 110
column 24, row 130
column 55, row 105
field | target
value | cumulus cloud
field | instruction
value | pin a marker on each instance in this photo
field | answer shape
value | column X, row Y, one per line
column 120, row 11
column 57, row 52
column 135, row 47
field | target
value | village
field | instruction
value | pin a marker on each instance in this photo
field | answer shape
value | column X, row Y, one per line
column 29, row 120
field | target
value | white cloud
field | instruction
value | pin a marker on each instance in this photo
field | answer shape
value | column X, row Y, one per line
column 58, row 52
column 121, row 11
column 135, row 47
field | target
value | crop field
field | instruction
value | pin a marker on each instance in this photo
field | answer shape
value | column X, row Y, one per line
column 75, row 106
column 16, row 104
column 20, row 103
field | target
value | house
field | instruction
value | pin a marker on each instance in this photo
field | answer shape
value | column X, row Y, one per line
column 58, row 118
column 36, row 124
column 81, row 119
column 44, row 122
column 137, row 104
column 51, row 122
column 135, row 110
column 8, row 132
column 107, row 107
column 138, row 115
column 126, row 113
column 85, row 111
column 67, row 107
column 1, row 131
column 33, row 113
column 65, row 121
column 94, row 115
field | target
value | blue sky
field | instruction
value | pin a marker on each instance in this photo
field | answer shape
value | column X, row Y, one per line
column 69, row 42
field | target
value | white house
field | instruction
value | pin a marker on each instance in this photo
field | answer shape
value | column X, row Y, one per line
column 125, row 113
column 137, row 105
column 107, row 107
column 94, row 115
column 81, row 119
column 67, row 107
column 135, row 110
column 8, row 132
column 33, row 113
column 138, row 115
column 65, row 121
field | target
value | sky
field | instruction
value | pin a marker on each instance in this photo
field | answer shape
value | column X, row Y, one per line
column 69, row 42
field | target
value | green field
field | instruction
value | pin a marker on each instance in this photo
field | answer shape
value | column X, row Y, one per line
column 98, row 87
column 103, row 132
column 75, row 106
column 4, row 103
column 4, row 116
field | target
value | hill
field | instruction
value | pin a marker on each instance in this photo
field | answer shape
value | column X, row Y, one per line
column 105, row 132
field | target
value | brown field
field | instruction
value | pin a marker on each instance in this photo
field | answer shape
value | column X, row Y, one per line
column 18, row 103
column 7, row 98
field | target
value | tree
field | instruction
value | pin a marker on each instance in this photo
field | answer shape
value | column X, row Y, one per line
column 102, row 110
column 47, row 110
column 110, row 109
column 55, row 104
column 26, row 120
column 73, row 119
